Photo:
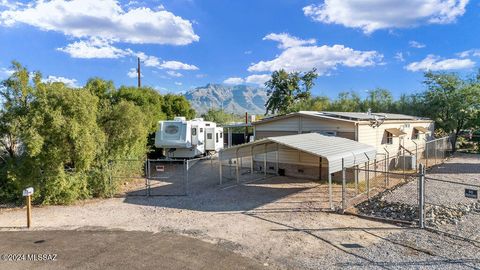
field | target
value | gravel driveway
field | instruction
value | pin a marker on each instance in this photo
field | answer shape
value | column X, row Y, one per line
column 278, row 222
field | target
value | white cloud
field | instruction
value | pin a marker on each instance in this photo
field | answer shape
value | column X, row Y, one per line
column 374, row 15
column 468, row 53
column 5, row 73
column 287, row 41
column 176, row 65
column 323, row 58
column 174, row 73
column 258, row 79
column 247, row 52
column 200, row 76
column 436, row 63
column 104, row 19
column 66, row 81
column 132, row 73
column 94, row 48
column 399, row 57
column 234, row 80
column 178, row 83
column 416, row 44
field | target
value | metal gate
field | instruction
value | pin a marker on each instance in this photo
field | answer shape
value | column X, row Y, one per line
column 166, row 177
column 450, row 207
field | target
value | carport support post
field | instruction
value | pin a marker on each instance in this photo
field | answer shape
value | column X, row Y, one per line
column 276, row 161
column 426, row 153
column 330, row 191
column 344, row 187
column 229, row 132
column 265, row 160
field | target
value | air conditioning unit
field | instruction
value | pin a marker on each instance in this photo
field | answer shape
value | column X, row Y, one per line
column 410, row 162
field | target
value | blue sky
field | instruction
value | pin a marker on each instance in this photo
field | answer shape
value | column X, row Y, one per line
column 355, row 45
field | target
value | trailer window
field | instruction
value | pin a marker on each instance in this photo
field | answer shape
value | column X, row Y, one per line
column 216, row 137
column 209, row 136
column 171, row 129
column 194, row 131
column 221, row 135
column 201, row 130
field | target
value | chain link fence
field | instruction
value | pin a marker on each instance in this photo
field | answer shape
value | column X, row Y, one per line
column 388, row 187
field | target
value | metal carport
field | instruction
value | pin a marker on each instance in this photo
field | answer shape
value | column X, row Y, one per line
column 340, row 153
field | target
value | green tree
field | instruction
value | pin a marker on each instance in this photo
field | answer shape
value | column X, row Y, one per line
column 148, row 100
column 285, row 90
column 347, row 102
column 177, row 105
column 378, row 100
column 451, row 101
column 219, row 116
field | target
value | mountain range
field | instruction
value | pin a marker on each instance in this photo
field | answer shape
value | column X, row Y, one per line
column 233, row 99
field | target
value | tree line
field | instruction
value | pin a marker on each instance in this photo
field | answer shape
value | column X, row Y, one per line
column 62, row 141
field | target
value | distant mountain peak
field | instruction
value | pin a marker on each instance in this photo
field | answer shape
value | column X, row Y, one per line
column 232, row 98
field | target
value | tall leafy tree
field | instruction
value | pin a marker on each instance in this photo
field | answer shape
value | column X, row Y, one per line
column 453, row 102
column 378, row 100
column 219, row 116
column 347, row 102
column 285, row 90
column 177, row 105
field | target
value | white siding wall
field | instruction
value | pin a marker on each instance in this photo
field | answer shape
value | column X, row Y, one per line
column 301, row 124
column 377, row 136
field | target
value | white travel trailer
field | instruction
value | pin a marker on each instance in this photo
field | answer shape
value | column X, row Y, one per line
column 180, row 138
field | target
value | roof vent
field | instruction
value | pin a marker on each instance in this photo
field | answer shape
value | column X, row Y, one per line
column 179, row 118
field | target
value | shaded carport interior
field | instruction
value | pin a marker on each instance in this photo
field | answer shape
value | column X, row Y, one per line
column 337, row 153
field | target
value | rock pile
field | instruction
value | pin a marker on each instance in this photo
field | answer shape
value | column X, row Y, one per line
column 440, row 215
column 434, row 215
column 389, row 210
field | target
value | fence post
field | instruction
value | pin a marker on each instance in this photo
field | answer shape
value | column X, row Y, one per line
column 356, row 179
column 251, row 160
column 426, row 153
column 368, row 179
column 220, row 166
column 148, row 177
column 435, row 152
column 387, row 168
column 344, row 186
column 236, row 167
column 186, row 165
column 403, row 148
column 421, row 197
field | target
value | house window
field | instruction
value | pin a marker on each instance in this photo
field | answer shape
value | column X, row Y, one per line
column 194, row 131
column 389, row 138
column 415, row 134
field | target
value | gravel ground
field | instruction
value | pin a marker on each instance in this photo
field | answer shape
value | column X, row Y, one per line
column 277, row 221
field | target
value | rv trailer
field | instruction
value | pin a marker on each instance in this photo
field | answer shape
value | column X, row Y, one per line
column 180, row 138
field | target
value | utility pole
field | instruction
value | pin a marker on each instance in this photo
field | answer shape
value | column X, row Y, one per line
column 139, row 74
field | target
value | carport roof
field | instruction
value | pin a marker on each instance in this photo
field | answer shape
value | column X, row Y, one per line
column 334, row 149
